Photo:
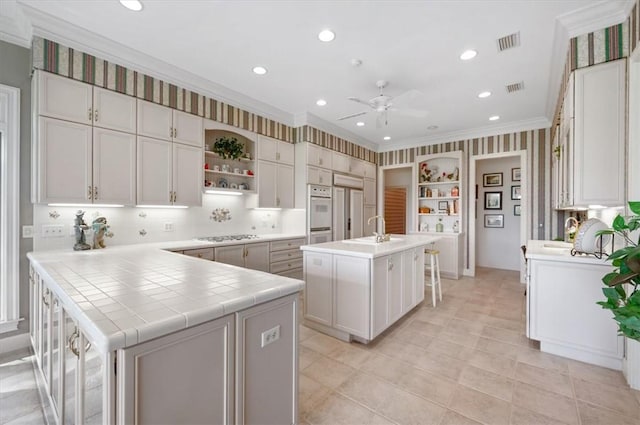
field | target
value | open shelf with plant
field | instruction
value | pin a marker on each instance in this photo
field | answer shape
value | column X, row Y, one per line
column 229, row 161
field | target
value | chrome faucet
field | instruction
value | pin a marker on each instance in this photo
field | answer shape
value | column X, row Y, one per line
column 380, row 237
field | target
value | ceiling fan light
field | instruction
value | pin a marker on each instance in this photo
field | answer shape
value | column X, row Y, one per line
column 260, row 70
column 321, row 102
column 494, row 118
column 360, row 124
column 484, row 94
column 386, row 138
column 134, row 5
column 326, row 35
column 468, row 54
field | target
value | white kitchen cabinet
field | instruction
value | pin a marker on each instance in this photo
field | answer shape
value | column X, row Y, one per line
column 150, row 389
column 114, row 111
column 168, row 173
column 318, row 293
column 370, row 170
column 317, row 155
column 275, row 185
column 114, row 167
column 164, row 123
column 369, row 191
column 286, row 258
column 253, row 256
column 321, row 176
column 387, row 291
column 590, row 151
column 357, row 166
column 270, row 149
column 340, row 162
column 351, row 297
column 412, row 278
column 563, row 314
column 266, row 383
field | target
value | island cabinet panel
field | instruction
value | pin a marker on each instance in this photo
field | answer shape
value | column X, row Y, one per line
column 159, row 385
column 318, row 293
column 351, row 296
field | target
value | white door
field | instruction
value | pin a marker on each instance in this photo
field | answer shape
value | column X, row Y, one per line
column 64, row 98
column 267, row 176
column 187, row 175
column 114, row 167
column 65, row 161
column 153, row 171
column 233, row 255
column 155, row 121
column 113, row 110
column 284, row 186
column 188, row 129
column 257, row 256
column 356, row 202
column 339, row 224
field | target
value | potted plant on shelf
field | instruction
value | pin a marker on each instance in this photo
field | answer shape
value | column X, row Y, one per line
column 623, row 289
column 228, row 147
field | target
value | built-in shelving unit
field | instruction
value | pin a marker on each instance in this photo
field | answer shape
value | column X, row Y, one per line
column 222, row 174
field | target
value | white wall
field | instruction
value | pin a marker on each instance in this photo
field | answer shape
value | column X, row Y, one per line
column 498, row 247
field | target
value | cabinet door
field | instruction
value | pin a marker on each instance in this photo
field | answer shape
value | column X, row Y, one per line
column 70, row 371
column 187, row 175
column 284, row 186
column 233, row 255
column 340, row 162
column 267, row 148
column 356, row 166
column 65, row 161
column 113, row 110
column 356, row 204
column 257, row 256
column 188, row 129
column 419, row 274
column 313, row 175
column 92, row 382
column 369, row 192
column 153, row 171
column 318, row 299
column 155, row 121
column 370, row 170
column 267, row 177
column 408, row 280
column 266, row 386
column 286, row 153
column 57, row 354
column 325, row 177
column 394, row 287
column 47, row 335
column 351, row 291
column 379, row 296
column 369, row 227
column 34, row 310
column 114, row 167
column 64, row 98
column 202, row 386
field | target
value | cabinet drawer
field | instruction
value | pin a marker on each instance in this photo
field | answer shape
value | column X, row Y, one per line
column 283, row 266
column 286, row 244
column 204, row 253
column 294, row 274
column 287, row 255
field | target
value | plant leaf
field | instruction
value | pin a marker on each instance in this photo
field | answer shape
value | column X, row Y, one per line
column 634, row 206
column 609, row 277
column 611, row 294
column 634, row 264
column 622, row 278
column 619, row 224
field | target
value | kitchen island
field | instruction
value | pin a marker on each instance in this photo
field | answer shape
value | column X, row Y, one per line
column 562, row 291
column 137, row 334
column 355, row 289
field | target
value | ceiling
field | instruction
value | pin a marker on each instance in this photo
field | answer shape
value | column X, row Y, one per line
column 212, row 46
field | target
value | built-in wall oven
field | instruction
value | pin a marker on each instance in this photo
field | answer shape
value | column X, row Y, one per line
column 319, row 210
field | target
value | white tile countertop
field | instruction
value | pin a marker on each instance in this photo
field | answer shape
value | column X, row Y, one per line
column 370, row 250
column 559, row 251
column 195, row 243
column 124, row 295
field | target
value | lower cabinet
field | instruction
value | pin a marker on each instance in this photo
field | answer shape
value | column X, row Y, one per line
column 286, row 258
column 253, row 256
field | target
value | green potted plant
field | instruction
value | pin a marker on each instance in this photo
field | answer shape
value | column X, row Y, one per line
column 623, row 288
column 228, row 147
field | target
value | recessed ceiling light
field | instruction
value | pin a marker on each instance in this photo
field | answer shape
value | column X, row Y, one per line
column 432, row 127
column 484, row 94
column 468, row 54
column 134, row 5
column 260, row 70
column 321, row 102
column 386, row 138
column 326, row 35
column 360, row 124
column 494, row 118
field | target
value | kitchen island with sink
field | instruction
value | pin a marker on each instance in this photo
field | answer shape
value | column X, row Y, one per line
column 357, row 288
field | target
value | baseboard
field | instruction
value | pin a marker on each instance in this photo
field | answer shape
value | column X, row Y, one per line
column 15, row 342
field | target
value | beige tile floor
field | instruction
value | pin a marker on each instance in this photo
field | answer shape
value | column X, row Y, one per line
column 467, row 361
column 19, row 397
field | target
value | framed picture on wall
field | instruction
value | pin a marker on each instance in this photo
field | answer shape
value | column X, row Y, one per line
column 515, row 193
column 516, row 210
column 493, row 220
column 515, row 174
column 492, row 180
column 493, row 200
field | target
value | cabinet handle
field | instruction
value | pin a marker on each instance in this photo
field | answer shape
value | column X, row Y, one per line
column 278, row 202
column 289, row 254
column 199, row 255
column 390, row 266
column 175, row 132
column 89, row 193
column 95, row 193
column 278, row 156
column 72, row 342
column 95, row 115
column 90, row 115
column 175, row 197
column 319, row 161
column 170, row 131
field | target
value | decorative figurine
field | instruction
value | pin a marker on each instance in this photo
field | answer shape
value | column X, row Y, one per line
column 80, row 226
column 100, row 230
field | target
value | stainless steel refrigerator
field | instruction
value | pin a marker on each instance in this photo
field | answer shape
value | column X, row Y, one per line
column 348, row 202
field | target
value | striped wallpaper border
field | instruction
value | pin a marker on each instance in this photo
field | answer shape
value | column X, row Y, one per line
column 65, row 61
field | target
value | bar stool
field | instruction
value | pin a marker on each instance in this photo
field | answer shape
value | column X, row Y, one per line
column 434, row 265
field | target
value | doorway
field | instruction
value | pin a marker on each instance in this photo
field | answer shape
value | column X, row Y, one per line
column 396, row 203
column 395, row 207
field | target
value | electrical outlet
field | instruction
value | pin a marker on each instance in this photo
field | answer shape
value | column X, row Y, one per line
column 27, row 232
column 53, row 230
column 168, row 226
column 271, row 335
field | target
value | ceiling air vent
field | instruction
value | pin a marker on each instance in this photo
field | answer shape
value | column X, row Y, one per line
column 514, row 87
column 509, row 41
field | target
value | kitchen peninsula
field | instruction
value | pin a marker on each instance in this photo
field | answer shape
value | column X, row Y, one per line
column 128, row 312
column 356, row 288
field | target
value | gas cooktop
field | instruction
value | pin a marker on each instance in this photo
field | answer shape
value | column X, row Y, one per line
column 226, row 238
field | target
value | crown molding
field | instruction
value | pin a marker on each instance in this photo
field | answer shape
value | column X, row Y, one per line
column 556, row 68
column 324, row 125
column 60, row 31
column 595, row 16
column 15, row 28
column 474, row 133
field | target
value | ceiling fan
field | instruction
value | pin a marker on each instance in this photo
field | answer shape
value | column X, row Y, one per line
column 382, row 104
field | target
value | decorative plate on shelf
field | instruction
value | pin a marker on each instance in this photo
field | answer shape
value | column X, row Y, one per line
column 234, row 185
column 223, row 183
column 243, row 186
column 586, row 239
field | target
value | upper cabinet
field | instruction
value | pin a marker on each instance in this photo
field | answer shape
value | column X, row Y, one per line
column 590, row 149
column 113, row 110
column 169, row 124
column 270, row 149
column 318, row 156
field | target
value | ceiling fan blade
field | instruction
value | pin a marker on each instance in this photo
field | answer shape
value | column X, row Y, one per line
column 364, row 102
column 406, row 98
column 346, row 117
column 416, row 113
